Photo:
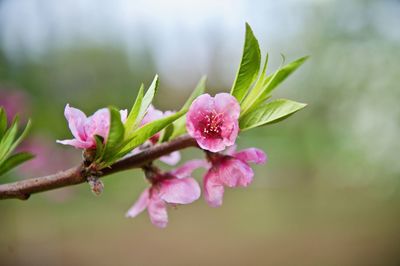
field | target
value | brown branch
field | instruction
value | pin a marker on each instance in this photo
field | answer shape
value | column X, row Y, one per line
column 23, row 189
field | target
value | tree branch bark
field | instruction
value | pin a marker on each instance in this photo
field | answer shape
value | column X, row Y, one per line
column 24, row 188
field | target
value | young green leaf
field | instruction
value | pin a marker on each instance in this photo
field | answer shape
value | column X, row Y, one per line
column 166, row 133
column 272, row 81
column 7, row 140
column 249, row 66
column 148, row 130
column 3, row 122
column 269, row 113
column 133, row 114
column 115, row 135
column 256, row 91
column 22, row 136
column 146, row 101
column 14, row 160
column 284, row 72
column 99, row 147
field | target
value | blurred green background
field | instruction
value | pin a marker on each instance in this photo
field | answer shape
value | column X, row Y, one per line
column 330, row 193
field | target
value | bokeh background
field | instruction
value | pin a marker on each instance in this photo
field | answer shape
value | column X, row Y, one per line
column 330, row 193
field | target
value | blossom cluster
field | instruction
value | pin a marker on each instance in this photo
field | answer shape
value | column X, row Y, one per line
column 213, row 123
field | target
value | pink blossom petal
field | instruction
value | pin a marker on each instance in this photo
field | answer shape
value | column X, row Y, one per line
column 235, row 173
column 227, row 104
column 230, row 150
column 186, row 169
column 172, row 159
column 76, row 120
column 213, row 189
column 76, row 143
column 179, row 191
column 157, row 210
column 252, row 155
column 201, row 106
column 98, row 124
column 140, row 205
column 213, row 122
column 213, row 145
column 230, row 131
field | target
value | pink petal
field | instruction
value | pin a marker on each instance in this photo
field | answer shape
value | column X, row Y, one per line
column 172, row 159
column 186, row 169
column 98, row 124
column 213, row 145
column 76, row 120
column 124, row 115
column 230, row 150
column 76, row 143
column 139, row 205
column 180, row 191
column 252, row 155
column 157, row 210
column 213, row 189
column 200, row 107
column 230, row 131
column 235, row 173
column 227, row 104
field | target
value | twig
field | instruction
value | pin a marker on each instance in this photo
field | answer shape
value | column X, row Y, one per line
column 23, row 189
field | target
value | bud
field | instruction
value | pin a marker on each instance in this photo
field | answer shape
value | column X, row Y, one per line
column 96, row 185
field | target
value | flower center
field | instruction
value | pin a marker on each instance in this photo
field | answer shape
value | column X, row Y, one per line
column 212, row 125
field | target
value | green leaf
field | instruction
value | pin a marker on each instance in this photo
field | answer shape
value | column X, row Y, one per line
column 133, row 114
column 22, row 136
column 15, row 160
column 256, row 91
column 180, row 124
column 3, row 122
column 278, row 77
column 249, row 66
column 269, row 113
column 147, row 100
column 7, row 141
column 115, row 135
column 148, row 130
column 99, row 147
column 166, row 133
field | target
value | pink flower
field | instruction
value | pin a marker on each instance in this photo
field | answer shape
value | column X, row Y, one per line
column 230, row 170
column 213, row 122
column 85, row 128
column 154, row 114
column 175, row 187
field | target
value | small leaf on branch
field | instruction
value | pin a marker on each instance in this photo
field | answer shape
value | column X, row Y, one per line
column 270, row 113
column 272, row 81
column 146, row 101
column 14, row 160
column 3, row 122
column 7, row 140
column 133, row 114
column 115, row 135
column 145, row 132
column 249, row 66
